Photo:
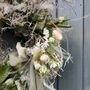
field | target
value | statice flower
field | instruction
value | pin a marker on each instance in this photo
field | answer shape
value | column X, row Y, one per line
column 45, row 43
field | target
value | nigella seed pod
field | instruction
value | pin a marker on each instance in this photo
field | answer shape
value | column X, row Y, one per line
column 52, row 40
column 43, row 69
column 58, row 35
column 44, row 58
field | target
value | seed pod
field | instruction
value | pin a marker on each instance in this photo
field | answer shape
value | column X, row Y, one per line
column 43, row 69
column 51, row 40
column 58, row 35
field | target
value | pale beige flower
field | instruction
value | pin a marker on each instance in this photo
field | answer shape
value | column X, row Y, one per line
column 57, row 34
column 44, row 58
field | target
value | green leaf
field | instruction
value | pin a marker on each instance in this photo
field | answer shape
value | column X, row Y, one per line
column 4, row 72
column 63, row 26
column 50, row 24
column 50, row 51
column 37, row 55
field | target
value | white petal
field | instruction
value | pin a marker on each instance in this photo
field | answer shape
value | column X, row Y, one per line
column 53, row 65
column 21, row 50
column 36, row 65
column 13, row 59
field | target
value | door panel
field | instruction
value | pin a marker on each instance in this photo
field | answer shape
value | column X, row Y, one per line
column 72, row 76
column 87, row 45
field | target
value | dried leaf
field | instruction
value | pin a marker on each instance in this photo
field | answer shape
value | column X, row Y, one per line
column 4, row 72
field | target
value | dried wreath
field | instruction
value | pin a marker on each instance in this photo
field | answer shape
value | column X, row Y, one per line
column 30, row 45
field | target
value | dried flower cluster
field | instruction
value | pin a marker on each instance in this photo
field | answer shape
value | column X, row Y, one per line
column 38, row 52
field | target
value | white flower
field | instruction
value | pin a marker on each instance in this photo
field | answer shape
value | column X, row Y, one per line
column 21, row 50
column 46, row 33
column 53, row 65
column 44, row 45
column 39, row 45
column 44, row 58
column 57, row 34
column 36, row 65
